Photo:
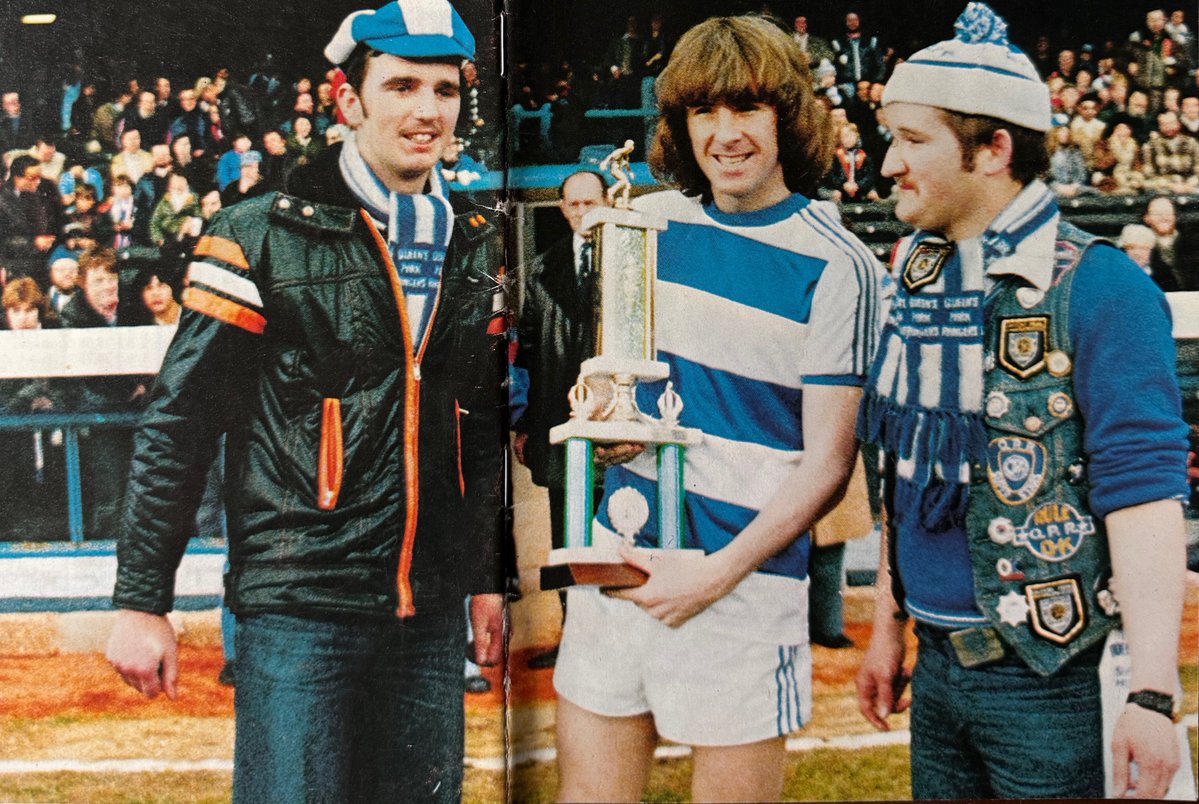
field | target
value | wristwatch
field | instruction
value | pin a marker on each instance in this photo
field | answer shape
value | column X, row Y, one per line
column 1158, row 702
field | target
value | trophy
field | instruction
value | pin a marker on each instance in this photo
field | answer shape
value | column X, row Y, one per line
column 603, row 402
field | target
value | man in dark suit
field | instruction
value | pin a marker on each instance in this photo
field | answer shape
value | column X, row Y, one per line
column 30, row 219
column 557, row 333
column 16, row 129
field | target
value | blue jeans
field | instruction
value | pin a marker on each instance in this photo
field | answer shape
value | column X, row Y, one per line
column 1003, row 731
column 343, row 710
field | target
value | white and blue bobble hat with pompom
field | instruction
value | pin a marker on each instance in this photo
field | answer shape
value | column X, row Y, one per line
column 977, row 72
column 406, row 28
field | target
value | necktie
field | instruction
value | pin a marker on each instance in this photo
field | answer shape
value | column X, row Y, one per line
column 584, row 267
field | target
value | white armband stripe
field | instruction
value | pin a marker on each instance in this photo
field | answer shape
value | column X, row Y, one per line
column 227, row 282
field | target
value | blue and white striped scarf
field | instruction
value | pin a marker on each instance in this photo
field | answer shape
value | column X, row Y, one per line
column 923, row 398
column 418, row 231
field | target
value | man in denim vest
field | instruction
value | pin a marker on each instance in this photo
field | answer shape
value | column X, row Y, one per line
column 1025, row 396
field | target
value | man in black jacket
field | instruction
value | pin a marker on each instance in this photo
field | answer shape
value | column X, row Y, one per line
column 345, row 335
column 30, row 218
column 16, row 129
column 557, row 333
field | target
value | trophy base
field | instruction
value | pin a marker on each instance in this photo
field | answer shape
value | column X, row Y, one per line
column 625, row 432
column 589, row 566
column 594, row 566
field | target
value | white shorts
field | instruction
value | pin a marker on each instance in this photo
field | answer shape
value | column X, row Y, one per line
column 702, row 688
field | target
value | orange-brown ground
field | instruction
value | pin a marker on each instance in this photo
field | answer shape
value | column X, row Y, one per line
column 36, row 687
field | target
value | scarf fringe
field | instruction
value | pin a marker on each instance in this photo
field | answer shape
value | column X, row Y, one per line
column 928, row 438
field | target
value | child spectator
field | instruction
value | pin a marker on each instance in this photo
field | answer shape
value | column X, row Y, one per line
column 228, row 168
column 852, row 176
column 93, row 226
column 1086, row 128
column 158, row 298
column 64, row 282
column 1118, row 162
column 122, row 212
column 1067, row 166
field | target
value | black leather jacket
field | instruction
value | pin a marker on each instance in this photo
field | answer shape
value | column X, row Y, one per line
column 360, row 480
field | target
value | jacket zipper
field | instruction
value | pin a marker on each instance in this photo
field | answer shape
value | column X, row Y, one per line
column 407, row 605
column 331, row 462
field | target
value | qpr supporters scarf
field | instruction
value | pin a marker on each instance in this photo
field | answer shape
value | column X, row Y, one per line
column 418, row 231
column 923, row 398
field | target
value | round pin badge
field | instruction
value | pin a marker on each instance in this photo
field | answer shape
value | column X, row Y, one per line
column 1001, row 530
column 1061, row 405
column 998, row 404
column 1029, row 297
column 1033, row 424
column 1058, row 363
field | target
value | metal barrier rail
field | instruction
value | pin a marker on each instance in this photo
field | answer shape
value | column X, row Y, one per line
column 70, row 424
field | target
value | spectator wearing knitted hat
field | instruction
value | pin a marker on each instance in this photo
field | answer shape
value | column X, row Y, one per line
column 316, row 340
column 249, row 181
column 1010, row 392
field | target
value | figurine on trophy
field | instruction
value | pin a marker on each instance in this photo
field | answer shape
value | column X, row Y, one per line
column 603, row 402
column 617, row 163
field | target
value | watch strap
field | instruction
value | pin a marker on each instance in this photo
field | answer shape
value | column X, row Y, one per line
column 1155, row 701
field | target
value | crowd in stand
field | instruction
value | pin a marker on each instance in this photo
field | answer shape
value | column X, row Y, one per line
column 1126, row 114
column 96, row 224
column 1127, row 109
column 97, row 218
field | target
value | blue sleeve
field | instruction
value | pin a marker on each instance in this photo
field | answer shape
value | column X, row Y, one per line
column 1126, row 384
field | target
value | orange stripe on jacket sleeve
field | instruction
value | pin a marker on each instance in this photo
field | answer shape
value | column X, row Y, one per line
column 224, row 310
column 223, row 249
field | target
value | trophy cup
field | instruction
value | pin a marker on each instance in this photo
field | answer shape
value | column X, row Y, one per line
column 603, row 401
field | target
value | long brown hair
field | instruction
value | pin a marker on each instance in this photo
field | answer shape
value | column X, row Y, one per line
column 740, row 61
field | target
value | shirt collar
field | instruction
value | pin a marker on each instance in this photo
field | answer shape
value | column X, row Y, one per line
column 1022, row 239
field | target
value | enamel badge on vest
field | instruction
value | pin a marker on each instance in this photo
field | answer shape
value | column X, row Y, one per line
column 1023, row 343
column 1054, row 531
column 1016, row 468
column 1056, row 609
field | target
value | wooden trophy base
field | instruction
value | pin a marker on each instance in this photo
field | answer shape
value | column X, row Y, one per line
column 589, row 566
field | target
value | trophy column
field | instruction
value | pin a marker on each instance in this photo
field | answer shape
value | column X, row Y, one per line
column 604, row 409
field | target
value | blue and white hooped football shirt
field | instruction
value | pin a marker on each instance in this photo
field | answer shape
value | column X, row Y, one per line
column 750, row 308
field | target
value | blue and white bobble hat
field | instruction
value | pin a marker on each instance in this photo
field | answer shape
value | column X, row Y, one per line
column 406, row 28
column 977, row 72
